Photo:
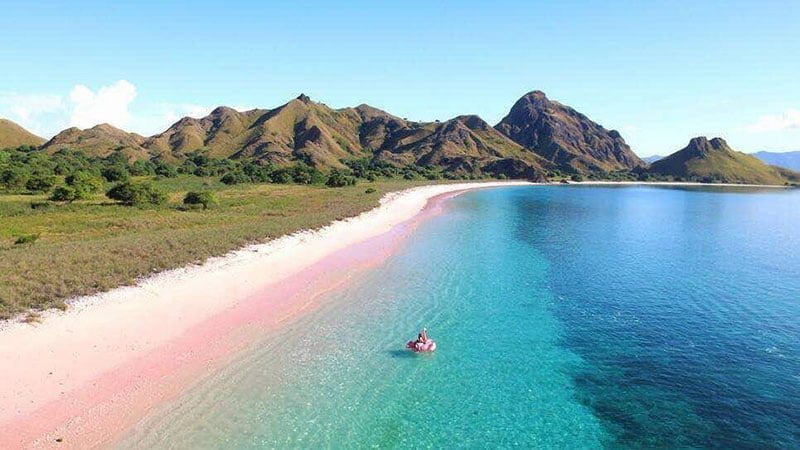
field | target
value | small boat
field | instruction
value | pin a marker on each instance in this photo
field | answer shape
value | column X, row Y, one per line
column 421, row 347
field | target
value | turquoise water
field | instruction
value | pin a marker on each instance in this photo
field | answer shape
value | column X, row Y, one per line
column 566, row 317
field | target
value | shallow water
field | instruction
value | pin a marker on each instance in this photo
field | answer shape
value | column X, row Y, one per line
column 575, row 317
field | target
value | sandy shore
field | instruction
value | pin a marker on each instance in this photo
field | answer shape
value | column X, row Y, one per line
column 82, row 377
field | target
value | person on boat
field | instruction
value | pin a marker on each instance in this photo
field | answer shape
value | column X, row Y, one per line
column 423, row 336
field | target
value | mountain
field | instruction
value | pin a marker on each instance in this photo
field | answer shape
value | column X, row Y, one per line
column 308, row 131
column 565, row 137
column 464, row 144
column 788, row 160
column 100, row 140
column 652, row 159
column 219, row 133
column 714, row 161
column 299, row 130
column 13, row 135
column 319, row 135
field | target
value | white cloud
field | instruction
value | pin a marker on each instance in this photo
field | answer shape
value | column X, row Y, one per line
column 39, row 113
column 789, row 119
column 83, row 107
column 108, row 105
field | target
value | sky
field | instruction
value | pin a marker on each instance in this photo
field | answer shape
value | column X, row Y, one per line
column 660, row 72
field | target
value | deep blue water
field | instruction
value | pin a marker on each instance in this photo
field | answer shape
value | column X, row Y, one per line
column 566, row 317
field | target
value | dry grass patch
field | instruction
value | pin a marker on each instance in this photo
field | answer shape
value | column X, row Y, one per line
column 92, row 245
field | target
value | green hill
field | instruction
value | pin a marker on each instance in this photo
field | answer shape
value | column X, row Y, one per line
column 13, row 135
column 714, row 161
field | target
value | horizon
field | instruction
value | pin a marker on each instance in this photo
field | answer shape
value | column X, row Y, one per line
column 634, row 68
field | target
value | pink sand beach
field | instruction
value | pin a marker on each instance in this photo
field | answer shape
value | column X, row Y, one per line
column 82, row 377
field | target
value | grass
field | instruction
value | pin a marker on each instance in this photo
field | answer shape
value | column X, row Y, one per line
column 95, row 245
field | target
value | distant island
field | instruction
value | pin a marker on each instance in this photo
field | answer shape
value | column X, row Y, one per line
column 789, row 160
column 539, row 139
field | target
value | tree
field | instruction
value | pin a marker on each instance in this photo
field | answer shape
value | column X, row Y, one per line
column 13, row 177
column 337, row 178
column 115, row 173
column 205, row 198
column 66, row 194
column 84, row 181
column 164, row 170
column 137, row 194
column 40, row 183
column 235, row 177
column 142, row 167
column 281, row 176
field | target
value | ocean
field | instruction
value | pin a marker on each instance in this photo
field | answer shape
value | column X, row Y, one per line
column 565, row 317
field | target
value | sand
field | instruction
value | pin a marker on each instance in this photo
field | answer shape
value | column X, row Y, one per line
column 81, row 377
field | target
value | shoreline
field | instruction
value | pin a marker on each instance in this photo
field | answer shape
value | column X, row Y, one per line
column 672, row 183
column 87, row 374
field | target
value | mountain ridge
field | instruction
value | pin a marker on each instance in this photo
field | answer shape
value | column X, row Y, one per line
column 537, row 137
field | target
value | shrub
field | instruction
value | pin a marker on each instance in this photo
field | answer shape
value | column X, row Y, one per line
column 13, row 177
column 85, row 182
column 142, row 167
column 235, row 178
column 576, row 177
column 115, row 173
column 205, row 198
column 302, row 173
column 26, row 239
column 137, row 194
column 339, row 179
column 67, row 194
column 164, row 170
column 40, row 183
column 370, row 191
column 281, row 176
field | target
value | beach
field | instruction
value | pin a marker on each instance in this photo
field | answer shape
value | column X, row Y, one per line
column 81, row 377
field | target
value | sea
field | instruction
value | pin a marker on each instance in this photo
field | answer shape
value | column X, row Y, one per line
column 565, row 317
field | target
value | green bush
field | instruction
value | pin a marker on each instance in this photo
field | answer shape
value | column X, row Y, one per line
column 40, row 183
column 282, row 176
column 576, row 177
column 142, row 167
column 67, row 194
column 205, row 198
column 337, row 178
column 235, row 178
column 165, row 170
column 13, row 177
column 115, row 173
column 85, row 182
column 137, row 194
column 370, row 191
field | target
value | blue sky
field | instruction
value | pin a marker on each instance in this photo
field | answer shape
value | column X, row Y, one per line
column 660, row 72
